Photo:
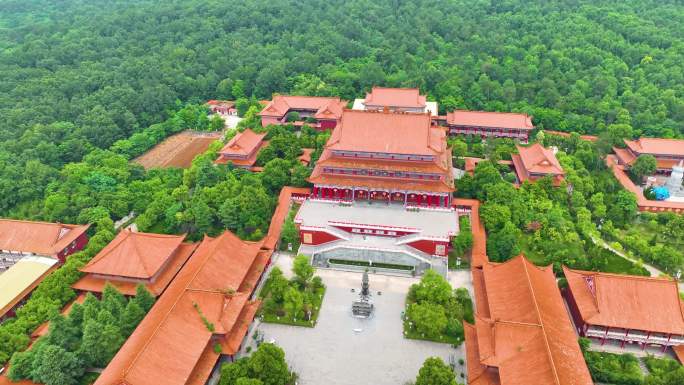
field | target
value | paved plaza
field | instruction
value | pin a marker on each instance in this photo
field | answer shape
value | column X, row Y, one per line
column 343, row 350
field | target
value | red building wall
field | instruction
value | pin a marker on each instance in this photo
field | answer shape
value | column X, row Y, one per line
column 430, row 247
column 328, row 124
column 79, row 245
column 317, row 237
column 399, row 233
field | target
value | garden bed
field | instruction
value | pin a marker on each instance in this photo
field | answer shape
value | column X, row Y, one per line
column 378, row 265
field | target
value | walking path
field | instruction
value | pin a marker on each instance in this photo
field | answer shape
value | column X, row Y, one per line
column 653, row 271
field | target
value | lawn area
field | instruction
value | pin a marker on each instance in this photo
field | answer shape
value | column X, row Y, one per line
column 464, row 262
column 295, row 302
column 283, row 318
column 599, row 259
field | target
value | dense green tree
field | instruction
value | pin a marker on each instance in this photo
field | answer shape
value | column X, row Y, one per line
column 435, row 372
column 56, row 366
column 268, row 365
column 644, row 165
column 428, row 319
column 302, row 269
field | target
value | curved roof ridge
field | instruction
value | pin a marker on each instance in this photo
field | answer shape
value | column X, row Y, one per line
column 166, row 315
column 525, row 263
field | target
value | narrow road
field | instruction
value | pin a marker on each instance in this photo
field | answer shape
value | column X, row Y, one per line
column 651, row 269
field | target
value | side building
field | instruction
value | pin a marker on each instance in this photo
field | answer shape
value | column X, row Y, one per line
column 625, row 310
column 29, row 252
column 522, row 333
column 490, row 124
column 382, row 193
column 133, row 259
column 668, row 152
column 396, row 100
column 316, row 111
column 535, row 162
column 199, row 322
column 242, row 149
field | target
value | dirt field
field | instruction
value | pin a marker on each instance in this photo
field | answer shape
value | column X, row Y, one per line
column 178, row 150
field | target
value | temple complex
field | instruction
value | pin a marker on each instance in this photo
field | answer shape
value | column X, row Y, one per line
column 242, row 149
column 535, row 162
column 490, row 124
column 396, row 100
column 202, row 316
column 135, row 258
column 668, row 152
column 621, row 309
column 316, row 111
column 522, row 333
column 382, row 194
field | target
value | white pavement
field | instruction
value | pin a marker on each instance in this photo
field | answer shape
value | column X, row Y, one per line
column 343, row 350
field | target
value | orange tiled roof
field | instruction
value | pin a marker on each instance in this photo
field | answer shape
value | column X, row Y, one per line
column 679, row 353
column 135, row 255
column 278, row 219
column 325, row 107
column 395, row 97
column 43, row 238
column 625, row 156
column 540, row 160
column 522, row 329
column 384, row 132
column 171, row 341
column 489, row 119
column 243, row 143
column 657, row 146
column 588, row 138
column 395, row 133
column 95, row 283
column 627, row 301
column 479, row 250
column 381, row 164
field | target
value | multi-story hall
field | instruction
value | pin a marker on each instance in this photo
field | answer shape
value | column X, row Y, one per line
column 382, row 194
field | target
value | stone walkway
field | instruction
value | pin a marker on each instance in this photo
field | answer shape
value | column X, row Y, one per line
column 343, row 350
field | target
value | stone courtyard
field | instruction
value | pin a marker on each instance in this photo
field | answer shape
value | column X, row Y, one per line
column 343, row 350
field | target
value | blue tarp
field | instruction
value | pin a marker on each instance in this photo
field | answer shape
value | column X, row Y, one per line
column 661, row 193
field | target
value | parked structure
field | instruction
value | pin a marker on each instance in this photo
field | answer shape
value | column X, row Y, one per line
column 625, row 309
column 242, row 149
column 134, row 258
column 490, row 124
column 535, row 162
column 203, row 315
column 522, row 333
column 396, row 100
column 668, row 152
column 316, row 111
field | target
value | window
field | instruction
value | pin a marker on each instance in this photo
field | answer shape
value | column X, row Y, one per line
column 440, row 250
column 308, row 238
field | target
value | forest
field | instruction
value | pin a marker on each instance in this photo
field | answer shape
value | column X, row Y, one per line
column 80, row 75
